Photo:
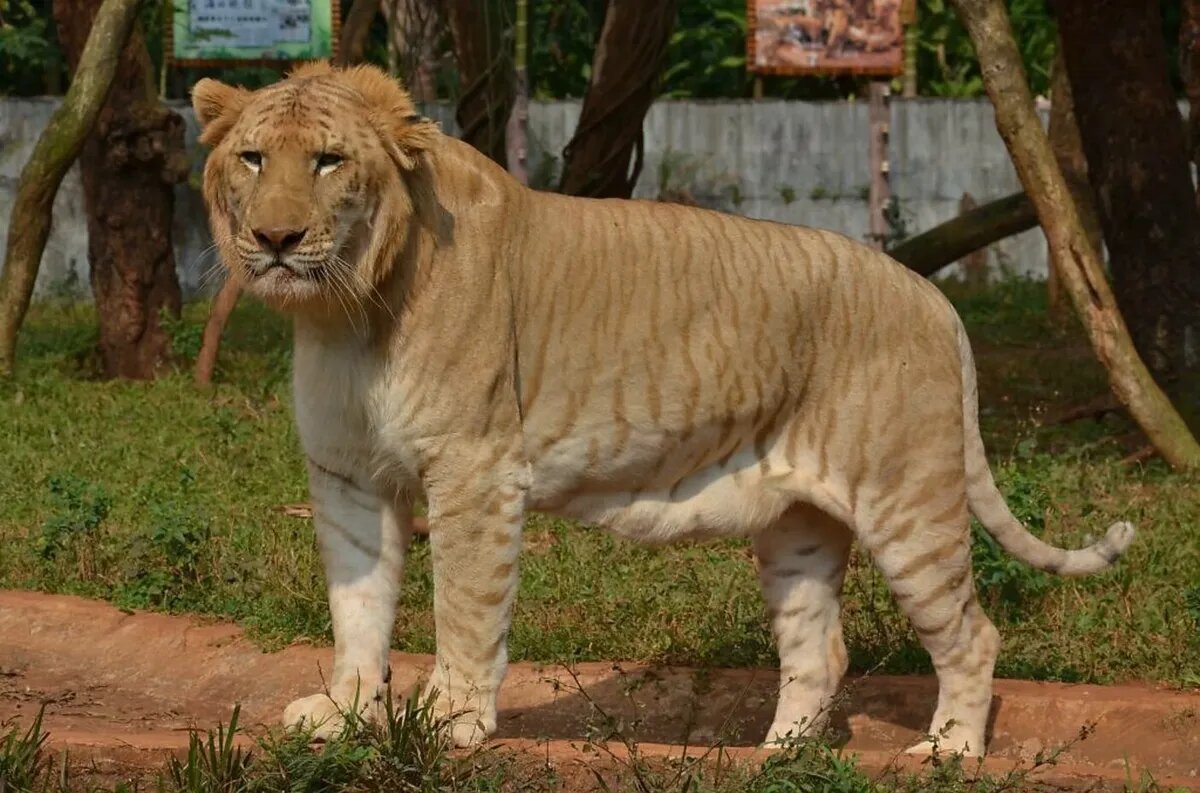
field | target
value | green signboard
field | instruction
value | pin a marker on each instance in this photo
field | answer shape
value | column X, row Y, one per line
column 223, row 32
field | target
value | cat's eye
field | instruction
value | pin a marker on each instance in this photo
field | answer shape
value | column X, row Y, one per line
column 328, row 162
column 252, row 160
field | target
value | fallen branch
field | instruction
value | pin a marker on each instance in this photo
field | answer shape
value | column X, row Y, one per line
column 1092, row 409
column 210, row 345
column 56, row 149
column 1141, row 455
column 945, row 244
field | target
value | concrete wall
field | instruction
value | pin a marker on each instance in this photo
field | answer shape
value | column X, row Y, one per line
column 797, row 162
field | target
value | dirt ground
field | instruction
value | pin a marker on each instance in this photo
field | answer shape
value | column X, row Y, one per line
column 125, row 688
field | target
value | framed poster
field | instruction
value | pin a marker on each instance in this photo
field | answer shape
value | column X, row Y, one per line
column 798, row 37
column 248, row 32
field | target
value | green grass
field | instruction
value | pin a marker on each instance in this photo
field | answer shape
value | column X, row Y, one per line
column 158, row 495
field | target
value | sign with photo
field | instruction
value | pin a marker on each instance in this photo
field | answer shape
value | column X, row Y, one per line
column 227, row 32
column 797, row 37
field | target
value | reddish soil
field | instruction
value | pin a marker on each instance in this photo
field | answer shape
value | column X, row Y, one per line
column 123, row 688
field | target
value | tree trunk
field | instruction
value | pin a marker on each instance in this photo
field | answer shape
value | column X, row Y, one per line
column 214, row 328
column 485, row 74
column 974, row 264
column 356, row 31
column 625, row 72
column 912, row 46
column 942, row 245
column 413, row 27
column 56, row 148
column 1189, row 71
column 1068, row 151
column 517, row 134
column 1077, row 262
column 130, row 164
column 1138, row 166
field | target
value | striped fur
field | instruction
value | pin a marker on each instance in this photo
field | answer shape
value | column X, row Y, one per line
column 665, row 372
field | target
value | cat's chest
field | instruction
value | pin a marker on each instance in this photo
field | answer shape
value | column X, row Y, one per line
column 350, row 412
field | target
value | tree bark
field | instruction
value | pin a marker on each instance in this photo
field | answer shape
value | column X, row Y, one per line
column 912, row 46
column 625, row 71
column 1139, row 170
column 56, row 148
column 942, row 245
column 1189, row 71
column 517, row 134
column 130, row 164
column 356, row 31
column 1077, row 262
column 974, row 264
column 1068, row 151
column 214, row 328
column 485, row 73
column 413, row 27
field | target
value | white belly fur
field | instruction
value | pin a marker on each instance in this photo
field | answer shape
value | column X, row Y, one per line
column 730, row 500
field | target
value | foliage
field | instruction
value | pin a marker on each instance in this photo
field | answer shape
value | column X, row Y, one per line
column 946, row 61
column 186, row 337
column 562, row 36
column 1003, row 581
column 213, row 763
column 166, row 566
column 705, row 58
column 24, row 766
column 29, row 55
column 80, row 508
column 1191, row 602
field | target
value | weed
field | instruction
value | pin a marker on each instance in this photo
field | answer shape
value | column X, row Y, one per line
column 185, row 336
column 787, row 194
column 405, row 752
column 24, row 766
column 897, row 223
column 809, row 765
column 1001, row 579
column 166, row 563
column 214, row 764
column 80, row 509
column 1191, row 602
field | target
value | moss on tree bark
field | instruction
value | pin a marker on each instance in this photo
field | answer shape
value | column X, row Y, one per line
column 56, row 148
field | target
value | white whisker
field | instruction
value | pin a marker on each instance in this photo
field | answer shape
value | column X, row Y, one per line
column 340, row 286
column 365, row 286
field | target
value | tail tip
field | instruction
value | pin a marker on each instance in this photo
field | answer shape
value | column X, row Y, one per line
column 1117, row 540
